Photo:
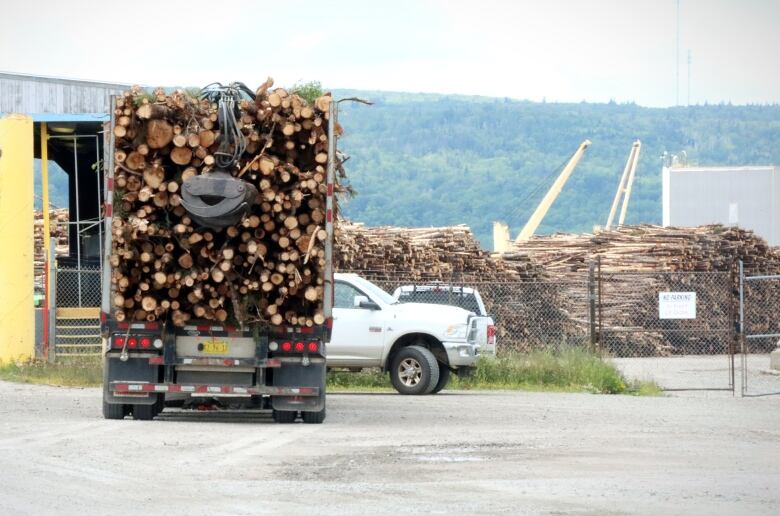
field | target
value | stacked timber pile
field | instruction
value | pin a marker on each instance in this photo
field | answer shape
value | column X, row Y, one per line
column 268, row 266
column 528, row 315
column 58, row 229
column 632, row 266
column 436, row 253
column 648, row 248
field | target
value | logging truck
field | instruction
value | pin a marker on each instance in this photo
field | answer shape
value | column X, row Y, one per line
column 218, row 285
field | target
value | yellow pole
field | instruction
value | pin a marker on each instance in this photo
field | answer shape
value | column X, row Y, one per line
column 45, row 189
column 17, row 323
column 629, row 184
column 621, row 186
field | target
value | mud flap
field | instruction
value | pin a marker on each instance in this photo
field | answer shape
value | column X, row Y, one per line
column 134, row 370
column 310, row 376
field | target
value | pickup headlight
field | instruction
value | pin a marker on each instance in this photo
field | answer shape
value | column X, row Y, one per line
column 457, row 331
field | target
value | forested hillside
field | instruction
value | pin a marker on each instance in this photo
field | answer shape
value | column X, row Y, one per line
column 421, row 159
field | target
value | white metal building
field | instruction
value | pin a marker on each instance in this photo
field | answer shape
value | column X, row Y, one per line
column 748, row 197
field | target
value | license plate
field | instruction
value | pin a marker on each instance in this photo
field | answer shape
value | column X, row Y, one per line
column 215, row 347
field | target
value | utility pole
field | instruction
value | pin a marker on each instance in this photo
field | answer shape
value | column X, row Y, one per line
column 690, row 59
column 677, row 60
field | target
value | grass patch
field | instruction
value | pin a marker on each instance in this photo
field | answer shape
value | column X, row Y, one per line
column 71, row 372
column 569, row 370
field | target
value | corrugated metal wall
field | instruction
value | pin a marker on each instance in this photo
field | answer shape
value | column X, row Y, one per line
column 31, row 94
column 748, row 197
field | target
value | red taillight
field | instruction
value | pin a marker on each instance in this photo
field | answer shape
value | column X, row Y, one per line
column 312, row 347
column 119, row 342
column 491, row 331
column 132, row 342
column 287, row 346
column 299, row 347
column 146, row 342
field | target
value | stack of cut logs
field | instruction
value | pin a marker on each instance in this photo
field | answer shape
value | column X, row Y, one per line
column 648, row 248
column 629, row 300
column 268, row 268
column 58, row 229
column 436, row 253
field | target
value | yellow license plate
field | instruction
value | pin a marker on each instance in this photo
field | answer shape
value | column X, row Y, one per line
column 215, row 347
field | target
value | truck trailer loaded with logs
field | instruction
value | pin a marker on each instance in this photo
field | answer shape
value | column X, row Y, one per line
column 219, row 230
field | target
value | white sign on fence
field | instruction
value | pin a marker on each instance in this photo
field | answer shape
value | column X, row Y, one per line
column 677, row 305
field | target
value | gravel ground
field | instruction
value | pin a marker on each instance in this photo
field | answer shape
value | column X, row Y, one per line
column 486, row 452
column 704, row 372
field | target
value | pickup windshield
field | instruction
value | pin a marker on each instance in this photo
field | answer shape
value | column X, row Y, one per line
column 441, row 297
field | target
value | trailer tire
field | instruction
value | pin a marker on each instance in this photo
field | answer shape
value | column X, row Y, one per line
column 284, row 416
column 144, row 412
column 314, row 418
column 414, row 370
column 114, row 411
column 444, row 378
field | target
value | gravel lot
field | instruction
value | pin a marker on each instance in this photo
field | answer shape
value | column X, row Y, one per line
column 488, row 452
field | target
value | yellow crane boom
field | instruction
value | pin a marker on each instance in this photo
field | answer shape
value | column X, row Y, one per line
column 533, row 223
column 624, row 187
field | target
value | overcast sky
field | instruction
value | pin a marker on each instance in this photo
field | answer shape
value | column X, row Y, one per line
column 558, row 50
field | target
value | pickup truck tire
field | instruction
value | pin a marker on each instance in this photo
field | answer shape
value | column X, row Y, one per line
column 444, row 379
column 414, row 370
column 284, row 416
column 315, row 418
column 113, row 411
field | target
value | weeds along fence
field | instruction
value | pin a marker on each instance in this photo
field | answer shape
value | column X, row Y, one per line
column 624, row 314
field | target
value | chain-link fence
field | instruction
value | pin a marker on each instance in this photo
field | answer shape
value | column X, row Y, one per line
column 527, row 315
column 78, row 287
column 77, row 302
column 761, row 335
column 666, row 313
column 77, row 337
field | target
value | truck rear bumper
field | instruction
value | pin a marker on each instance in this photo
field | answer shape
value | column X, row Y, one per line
column 125, row 388
column 461, row 353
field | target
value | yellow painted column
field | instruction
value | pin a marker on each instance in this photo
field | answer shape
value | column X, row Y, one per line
column 17, row 323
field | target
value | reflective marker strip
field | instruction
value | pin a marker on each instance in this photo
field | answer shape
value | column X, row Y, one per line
column 330, row 190
column 329, row 216
column 120, row 388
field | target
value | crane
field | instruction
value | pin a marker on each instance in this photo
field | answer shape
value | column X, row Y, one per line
column 501, row 230
column 624, row 187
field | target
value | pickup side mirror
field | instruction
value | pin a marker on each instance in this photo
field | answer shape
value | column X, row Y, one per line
column 364, row 302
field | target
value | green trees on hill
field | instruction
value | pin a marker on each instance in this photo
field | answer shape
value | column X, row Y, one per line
column 420, row 160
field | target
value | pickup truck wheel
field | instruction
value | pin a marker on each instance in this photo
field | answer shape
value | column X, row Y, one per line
column 444, row 378
column 314, row 417
column 113, row 411
column 284, row 416
column 414, row 370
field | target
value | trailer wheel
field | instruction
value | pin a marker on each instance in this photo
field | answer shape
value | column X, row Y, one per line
column 444, row 378
column 144, row 412
column 284, row 416
column 414, row 370
column 315, row 418
column 113, row 411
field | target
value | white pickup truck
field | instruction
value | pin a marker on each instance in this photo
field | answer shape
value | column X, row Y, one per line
column 467, row 298
column 418, row 344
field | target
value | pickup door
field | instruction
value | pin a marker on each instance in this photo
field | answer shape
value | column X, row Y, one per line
column 358, row 336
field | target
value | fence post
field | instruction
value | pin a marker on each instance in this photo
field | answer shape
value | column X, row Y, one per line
column 52, row 304
column 592, row 306
column 600, row 343
column 743, row 362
